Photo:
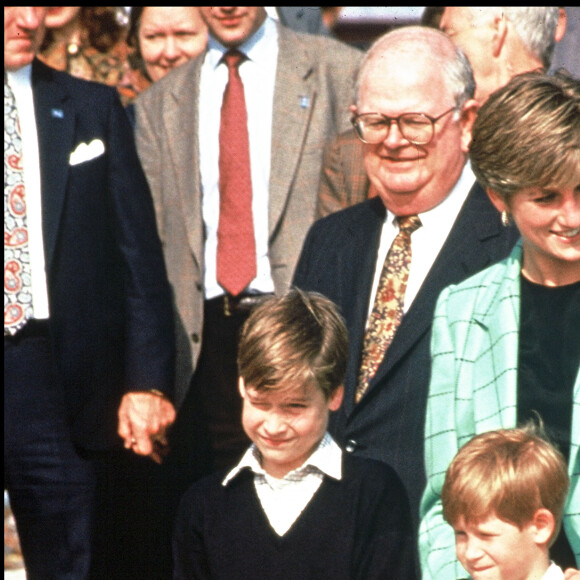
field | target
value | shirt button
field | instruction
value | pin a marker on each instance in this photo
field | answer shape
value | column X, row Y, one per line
column 195, row 337
column 350, row 446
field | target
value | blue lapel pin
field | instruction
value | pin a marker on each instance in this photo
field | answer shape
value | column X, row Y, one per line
column 304, row 102
column 57, row 113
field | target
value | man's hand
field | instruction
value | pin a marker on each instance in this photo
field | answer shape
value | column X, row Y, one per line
column 571, row 574
column 143, row 421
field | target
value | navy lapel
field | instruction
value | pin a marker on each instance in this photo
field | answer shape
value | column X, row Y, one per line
column 359, row 264
column 55, row 126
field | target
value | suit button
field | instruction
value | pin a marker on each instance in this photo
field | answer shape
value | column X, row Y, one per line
column 350, row 446
column 198, row 286
column 195, row 337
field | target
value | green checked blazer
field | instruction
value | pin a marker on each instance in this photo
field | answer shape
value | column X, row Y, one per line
column 474, row 349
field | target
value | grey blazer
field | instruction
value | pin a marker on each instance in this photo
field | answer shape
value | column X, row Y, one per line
column 317, row 67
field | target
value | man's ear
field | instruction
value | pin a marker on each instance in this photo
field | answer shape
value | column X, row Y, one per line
column 468, row 114
column 242, row 387
column 500, row 29
column 335, row 400
column 562, row 23
column 543, row 526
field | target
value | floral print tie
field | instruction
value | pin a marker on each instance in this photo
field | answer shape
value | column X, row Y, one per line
column 389, row 301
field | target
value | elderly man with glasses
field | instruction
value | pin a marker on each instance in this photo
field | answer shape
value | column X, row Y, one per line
column 385, row 260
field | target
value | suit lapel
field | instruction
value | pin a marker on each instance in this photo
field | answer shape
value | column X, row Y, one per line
column 294, row 102
column 360, row 264
column 55, row 122
column 497, row 311
column 181, row 123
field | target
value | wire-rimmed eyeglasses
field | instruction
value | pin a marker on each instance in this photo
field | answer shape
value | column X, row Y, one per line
column 417, row 128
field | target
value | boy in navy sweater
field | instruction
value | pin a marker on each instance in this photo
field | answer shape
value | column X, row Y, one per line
column 294, row 506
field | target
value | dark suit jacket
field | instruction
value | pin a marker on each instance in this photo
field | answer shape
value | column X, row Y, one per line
column 338, row 260
column 111, row 318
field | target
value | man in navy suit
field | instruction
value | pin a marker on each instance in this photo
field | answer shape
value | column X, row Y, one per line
column 414, row 112
column 92, row 366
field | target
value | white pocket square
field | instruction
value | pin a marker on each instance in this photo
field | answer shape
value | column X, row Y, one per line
column 85, row 152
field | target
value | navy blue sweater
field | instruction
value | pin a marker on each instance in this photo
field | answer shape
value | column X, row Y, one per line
column 355, row 528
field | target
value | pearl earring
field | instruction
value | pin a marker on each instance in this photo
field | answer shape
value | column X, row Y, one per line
column 505, row 219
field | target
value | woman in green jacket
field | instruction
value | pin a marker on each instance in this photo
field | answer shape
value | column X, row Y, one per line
column 506, row 342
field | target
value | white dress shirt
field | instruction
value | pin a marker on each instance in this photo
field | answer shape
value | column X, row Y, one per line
column 20, row 83
column 258, row 75
column 554, row 572
column 426, row 241
column 283, row 500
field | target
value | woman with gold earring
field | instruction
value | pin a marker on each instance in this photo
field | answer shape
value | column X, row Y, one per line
column 506, row 342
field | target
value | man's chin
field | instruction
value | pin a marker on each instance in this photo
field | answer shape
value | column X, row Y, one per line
column 15, row 62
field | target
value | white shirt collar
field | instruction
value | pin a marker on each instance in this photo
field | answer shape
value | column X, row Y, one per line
column 257, row 48
column 19, row 78
column 554, row 572
column 326, row 458
column 448, row 209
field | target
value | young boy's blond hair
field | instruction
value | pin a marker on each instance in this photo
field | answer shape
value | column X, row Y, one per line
column 509, row 473
column 295, row 339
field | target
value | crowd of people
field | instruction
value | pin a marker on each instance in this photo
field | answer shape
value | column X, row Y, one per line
column 280, row 307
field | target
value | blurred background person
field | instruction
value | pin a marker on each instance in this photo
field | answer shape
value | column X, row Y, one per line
column 87, row 41
column 505, row 344
column 567, row 35
column 502, row 41
column 567, row 51
column 432, row 16
column 160, row 38
column 300, row 18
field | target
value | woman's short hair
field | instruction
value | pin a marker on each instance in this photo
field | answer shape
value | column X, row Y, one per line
column 527, row 134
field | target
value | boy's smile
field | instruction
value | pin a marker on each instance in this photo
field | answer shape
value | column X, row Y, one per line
column 286, row 424
column 495, row 549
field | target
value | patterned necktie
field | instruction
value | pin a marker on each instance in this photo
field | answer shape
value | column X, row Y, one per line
column 236, row 250
column 389, row 301
column 17, row 274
